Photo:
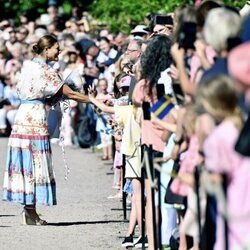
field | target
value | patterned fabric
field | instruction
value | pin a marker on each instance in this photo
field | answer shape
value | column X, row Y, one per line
column 29, row 177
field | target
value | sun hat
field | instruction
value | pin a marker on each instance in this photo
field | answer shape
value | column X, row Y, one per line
column 139, row 29
column 125, row 81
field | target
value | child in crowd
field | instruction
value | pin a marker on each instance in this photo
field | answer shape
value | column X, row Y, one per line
column 220, row 100
column 102, row 125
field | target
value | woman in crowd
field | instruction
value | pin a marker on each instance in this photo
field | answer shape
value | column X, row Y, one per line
column 29, row 176
column 155, row 60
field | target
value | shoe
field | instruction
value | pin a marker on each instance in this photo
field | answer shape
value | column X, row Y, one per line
column 28, row 220
column 128, row 241
column 116, row 186
column 115, row 196
column 104, row 158
column 41, row 222
column 138, row 242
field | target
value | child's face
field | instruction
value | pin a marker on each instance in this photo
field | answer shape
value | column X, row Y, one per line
column 103, row 86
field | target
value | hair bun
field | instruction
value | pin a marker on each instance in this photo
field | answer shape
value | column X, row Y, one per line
column 35, row 48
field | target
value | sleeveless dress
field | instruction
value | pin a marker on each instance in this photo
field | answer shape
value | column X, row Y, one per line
column 29, row 177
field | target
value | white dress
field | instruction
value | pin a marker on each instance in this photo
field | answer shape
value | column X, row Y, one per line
column 29, row 176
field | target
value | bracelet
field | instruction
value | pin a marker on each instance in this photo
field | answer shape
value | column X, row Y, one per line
column 178, row 142
column 201, row 153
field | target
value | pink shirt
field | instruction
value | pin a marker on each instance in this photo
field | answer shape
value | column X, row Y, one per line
column 188, row 164
column 196, row 63
column 151, row 132
column 222, row 158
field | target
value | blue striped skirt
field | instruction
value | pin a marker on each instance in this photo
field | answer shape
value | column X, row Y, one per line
column 29, row 177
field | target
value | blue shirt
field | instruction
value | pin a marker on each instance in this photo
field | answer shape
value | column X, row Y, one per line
column 218, row 68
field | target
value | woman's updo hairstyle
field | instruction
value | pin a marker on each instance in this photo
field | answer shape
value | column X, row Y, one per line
column 46, row 41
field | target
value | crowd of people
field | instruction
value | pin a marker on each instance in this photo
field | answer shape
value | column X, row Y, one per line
column 168, row 104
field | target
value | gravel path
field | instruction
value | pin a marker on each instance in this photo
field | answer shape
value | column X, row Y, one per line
column 83, row 219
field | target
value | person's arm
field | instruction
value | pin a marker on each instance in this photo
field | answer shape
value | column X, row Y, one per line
column 74, row 95
column 180, row 144
column 166, row 125
column 99, row 104
column 200, row 48
column 138, row 95
column 178, row 55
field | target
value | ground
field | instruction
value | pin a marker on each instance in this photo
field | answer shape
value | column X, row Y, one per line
column 83, row 219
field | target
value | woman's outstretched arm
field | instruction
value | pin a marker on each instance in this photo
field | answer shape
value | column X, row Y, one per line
column 74, row 95
column 99, row 104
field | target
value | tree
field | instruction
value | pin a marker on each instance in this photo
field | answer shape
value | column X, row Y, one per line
column 122, row 15
column 33, row 8
column 119, row 15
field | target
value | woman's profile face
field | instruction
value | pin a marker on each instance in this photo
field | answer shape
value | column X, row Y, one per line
column 53, row 52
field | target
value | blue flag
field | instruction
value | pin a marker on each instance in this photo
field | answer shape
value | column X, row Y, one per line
column 162, row 107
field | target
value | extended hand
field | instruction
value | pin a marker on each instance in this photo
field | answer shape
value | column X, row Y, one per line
column 91, row 91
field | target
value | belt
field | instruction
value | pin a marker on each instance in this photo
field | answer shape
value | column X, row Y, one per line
column 34, row 101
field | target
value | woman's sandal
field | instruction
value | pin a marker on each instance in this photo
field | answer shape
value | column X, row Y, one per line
column 29, row 220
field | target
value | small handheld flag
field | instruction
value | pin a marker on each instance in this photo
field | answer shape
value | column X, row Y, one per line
column 162, row 107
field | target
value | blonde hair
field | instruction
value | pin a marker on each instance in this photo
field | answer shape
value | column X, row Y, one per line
column 219, row 98
column 220, row 25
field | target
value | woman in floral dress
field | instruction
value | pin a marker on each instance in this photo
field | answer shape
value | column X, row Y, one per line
column 29, row 177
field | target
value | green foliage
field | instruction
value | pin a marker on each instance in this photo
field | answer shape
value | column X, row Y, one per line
column 122, row 15
column 13, row 8
column 237, row 3
column 119, row 15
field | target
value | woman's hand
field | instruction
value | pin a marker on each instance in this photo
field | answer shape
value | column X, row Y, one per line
column 154, row 118
column 177, row 54
column 174, row 72
column 98, row 103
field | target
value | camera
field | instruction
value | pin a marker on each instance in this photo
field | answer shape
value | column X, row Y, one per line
column 187, row 35
column 163, row 20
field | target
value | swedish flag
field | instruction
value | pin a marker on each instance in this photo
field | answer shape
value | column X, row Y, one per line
column 162, row 107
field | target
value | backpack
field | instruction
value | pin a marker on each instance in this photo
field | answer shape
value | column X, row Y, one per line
column 86, row 132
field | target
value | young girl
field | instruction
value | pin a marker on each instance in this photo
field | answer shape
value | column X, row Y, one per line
column 102, row 125
column 220, row 100
column 128, row 119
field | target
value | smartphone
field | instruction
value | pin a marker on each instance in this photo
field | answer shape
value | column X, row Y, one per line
column 146, row 111
column 163, row 20
column 160, row 90
column 187, row 35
